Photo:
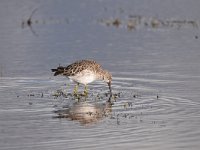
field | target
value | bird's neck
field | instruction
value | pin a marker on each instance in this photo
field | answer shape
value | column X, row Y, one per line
column 100, row 74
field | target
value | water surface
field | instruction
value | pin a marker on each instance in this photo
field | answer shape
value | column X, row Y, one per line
column 156, row 76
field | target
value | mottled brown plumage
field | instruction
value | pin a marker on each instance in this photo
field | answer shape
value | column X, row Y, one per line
column 84, row 72
column 79, row 66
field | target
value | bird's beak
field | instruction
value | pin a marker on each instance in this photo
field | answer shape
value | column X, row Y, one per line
column 109, row 85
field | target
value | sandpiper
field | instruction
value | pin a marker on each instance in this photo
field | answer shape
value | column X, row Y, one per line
column 84, row 72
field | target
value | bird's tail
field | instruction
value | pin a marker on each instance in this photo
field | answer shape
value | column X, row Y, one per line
column 58, row 71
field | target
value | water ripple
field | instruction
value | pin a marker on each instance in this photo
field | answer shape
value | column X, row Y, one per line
column 136, row 112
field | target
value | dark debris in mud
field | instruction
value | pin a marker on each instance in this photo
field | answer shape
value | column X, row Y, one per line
column 123, row 105
column 130, row 22
column 120, row 106
column 137, row 21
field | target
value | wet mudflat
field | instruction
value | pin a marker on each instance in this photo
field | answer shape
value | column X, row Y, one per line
column 151, row 51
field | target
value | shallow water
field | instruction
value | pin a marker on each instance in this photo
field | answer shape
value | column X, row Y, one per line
column 156, row 76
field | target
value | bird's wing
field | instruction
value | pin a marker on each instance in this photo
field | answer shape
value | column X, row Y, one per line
column 79, row 66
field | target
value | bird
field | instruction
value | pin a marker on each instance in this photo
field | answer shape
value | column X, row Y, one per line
column 84, row 72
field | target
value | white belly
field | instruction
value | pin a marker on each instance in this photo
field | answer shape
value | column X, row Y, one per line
column 83, row 77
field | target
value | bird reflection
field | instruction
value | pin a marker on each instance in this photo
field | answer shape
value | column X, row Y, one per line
column 85, row 112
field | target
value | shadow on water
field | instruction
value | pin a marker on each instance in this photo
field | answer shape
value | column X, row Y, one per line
column 85, row 112
column 86, row 109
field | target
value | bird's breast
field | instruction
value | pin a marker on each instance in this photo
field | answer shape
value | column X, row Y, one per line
column 84, row 77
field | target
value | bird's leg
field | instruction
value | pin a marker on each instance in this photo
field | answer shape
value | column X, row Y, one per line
column 109, row 85
column 76, row 89
column 85, row 90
